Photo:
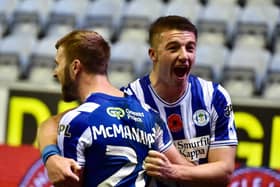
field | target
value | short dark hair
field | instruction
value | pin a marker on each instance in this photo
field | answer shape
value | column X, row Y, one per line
column 168, row 23
column 87, row 46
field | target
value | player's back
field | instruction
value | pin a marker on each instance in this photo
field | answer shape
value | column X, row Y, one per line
column 110, row 137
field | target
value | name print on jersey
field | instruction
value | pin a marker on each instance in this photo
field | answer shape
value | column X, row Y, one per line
column 125, row 132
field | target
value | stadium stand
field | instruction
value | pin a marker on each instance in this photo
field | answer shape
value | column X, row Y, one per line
column 246, row 68
column 126, row 66
column 210, row 61
column 182, row 8
column 217, row 22
column 234, row 36
column 272, row 81
column 104, row 16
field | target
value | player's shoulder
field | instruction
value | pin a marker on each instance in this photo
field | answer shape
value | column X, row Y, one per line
column 85, row 109
column 205, row 85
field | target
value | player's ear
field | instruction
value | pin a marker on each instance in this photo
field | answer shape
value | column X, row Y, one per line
column 152, row 54
column 75, row 66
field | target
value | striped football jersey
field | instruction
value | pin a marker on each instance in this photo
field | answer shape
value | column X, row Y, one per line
column 110, row 138
column 201, row 119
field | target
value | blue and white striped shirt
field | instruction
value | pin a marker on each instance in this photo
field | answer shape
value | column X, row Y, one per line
column 110, row 137
column 200, row 120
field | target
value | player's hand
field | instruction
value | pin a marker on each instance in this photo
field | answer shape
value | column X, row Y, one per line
column 157, row 164
column 61, row 170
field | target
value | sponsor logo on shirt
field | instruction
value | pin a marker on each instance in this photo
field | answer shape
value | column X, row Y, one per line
column 201, row 117
column 119, row 113
column 115, row 112
column 193, row 149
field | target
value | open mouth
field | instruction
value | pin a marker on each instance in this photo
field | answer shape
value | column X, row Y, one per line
column 180, row 71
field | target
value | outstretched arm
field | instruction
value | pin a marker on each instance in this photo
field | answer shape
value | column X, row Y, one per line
column 60, row 169
column 215, row 173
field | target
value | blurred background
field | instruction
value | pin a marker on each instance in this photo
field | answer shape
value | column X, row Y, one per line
column 238, row 46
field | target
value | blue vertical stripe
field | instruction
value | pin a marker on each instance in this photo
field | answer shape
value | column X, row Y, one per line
column 220, row 104
column 145, row 82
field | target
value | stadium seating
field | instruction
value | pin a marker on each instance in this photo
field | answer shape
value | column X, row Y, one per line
column 183, row 8
column 104, row 16
column 128, row 60
column 210, row 61
column 238, row 40
column 33, row 11
column 42, row 61
column 272, row 82
column 15, row 56
column 217, row 22
column 246, row 68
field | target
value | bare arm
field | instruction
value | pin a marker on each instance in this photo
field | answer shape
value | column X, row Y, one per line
column 60, row 169
column 215, row 173
column 47, row 132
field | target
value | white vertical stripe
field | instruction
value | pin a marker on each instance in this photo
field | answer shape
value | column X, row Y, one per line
column 65, row 120
column 84, row 141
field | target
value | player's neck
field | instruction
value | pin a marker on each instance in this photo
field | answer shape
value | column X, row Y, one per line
column 97, row 84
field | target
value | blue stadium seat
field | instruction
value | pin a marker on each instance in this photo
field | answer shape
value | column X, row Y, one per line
column 210, row 61
column 259, row 21
column 128, row 61
column 68, row 12
column 7, row 8
column 246, row 68
column 11, row 53
column 33, row 11
column 42, row 61
column 272, row 83
column 217, row 21
column 104, row 16
column 183, row 8
column 136, row 18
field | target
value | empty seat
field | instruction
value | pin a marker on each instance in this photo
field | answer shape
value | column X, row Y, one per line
column 140, row 13
column 272, row 83
column 183, row 8
column 15, row 49
column 245, row 71
column 257, row 20
column 67, row 12
column 128, row 61
column 59, row 30
column 7, row 8
column 216, row 23
column 33, row 11
column 105, row 16
column 26, row 29
column 210, row 60
column 136, row 18
column 42, row 60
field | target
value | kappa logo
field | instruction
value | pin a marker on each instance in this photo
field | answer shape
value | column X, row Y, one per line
column 201, row 117
column 115, row 112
